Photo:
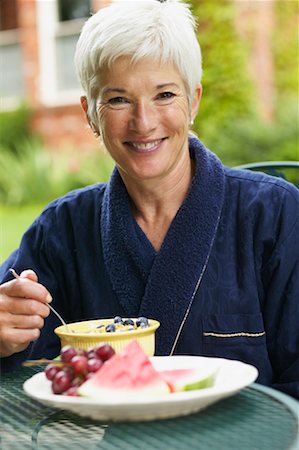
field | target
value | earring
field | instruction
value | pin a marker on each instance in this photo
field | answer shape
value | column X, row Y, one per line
column 94, row 129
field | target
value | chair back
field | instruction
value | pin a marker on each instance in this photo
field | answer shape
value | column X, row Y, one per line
column 288, row 170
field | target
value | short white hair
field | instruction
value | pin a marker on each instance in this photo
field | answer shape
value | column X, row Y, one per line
column 164, row 31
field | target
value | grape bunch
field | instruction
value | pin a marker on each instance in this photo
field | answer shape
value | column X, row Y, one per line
column 75, row 367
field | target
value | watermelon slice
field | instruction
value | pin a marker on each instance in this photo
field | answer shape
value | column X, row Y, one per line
column 126, row 375
column 187, row 379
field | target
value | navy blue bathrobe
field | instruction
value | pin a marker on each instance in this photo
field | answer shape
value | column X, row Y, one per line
column 224, row 283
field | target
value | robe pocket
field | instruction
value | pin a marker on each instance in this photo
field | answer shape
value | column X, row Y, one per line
column 232, row 330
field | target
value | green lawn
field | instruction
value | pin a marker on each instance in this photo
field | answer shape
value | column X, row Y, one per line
column 14, row 220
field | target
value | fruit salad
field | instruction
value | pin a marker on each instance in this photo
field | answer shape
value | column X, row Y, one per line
column 101, row 373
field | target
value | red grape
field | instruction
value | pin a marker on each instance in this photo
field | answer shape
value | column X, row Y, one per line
column 68, row 369
column 79, row 364
column 104, row 352
column 90, row 354
column 61, row 382
column 77, row 381
column 72, row 391
column 67, row 353
column 51, row 370
column 94, row 364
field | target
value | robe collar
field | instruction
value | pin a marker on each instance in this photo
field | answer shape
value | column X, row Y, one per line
column 160, row 285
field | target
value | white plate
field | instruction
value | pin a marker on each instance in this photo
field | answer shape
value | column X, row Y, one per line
column 230, row 378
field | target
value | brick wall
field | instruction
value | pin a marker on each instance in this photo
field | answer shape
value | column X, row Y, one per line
column 63, row 126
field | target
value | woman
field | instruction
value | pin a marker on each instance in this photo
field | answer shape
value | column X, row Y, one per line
column 210, row 252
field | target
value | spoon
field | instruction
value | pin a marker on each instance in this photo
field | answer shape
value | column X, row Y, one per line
column 51, row 307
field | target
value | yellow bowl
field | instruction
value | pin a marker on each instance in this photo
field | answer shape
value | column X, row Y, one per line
column 83, row 335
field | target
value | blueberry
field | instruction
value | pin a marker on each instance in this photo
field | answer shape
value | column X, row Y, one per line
column 117, row 319
column 142, row 322
column 128, row 322
column 100, row 326
column 110, row 328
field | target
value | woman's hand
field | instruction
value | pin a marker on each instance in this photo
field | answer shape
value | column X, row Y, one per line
column 23, row 308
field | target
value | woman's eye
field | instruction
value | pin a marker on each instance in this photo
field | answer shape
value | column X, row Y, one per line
column 117, row 100
column 166, row 95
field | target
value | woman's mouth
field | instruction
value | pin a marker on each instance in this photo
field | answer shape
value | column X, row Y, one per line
column 144, row 146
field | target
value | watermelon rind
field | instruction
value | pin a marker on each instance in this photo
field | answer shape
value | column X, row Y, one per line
column 188, row 379
column 200, row 384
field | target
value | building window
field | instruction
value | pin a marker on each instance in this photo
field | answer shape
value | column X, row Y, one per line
column 59, row 25
column 70, row 16
column 11, row 73
column 73, row 9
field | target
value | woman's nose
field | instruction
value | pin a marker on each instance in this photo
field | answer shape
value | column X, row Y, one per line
column 144, row 118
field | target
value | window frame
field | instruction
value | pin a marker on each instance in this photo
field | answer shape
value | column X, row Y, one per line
column 49, row 29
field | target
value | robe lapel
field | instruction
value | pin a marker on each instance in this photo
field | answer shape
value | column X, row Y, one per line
column 181, row 259
column 120, row 246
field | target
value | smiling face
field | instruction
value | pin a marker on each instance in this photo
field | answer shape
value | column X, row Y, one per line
column 144, row 117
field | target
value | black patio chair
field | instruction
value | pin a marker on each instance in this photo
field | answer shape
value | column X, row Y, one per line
column 289, row 170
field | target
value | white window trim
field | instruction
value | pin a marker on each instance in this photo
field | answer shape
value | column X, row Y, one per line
column 48, row 28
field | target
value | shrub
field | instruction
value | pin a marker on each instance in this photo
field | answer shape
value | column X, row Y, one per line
column 241, row 141
column 15, row 127
column 228, row 121
column 32, row 174
column 228, row 90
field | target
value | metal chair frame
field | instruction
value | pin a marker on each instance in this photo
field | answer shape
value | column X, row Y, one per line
column 274, row 168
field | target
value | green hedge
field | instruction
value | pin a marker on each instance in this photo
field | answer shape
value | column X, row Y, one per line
column 228, row 121
column 32, row 174
column 14, row 127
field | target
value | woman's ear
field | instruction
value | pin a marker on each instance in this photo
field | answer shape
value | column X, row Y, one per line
column 83, row 101
column 196, row 101
column 84, row 105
